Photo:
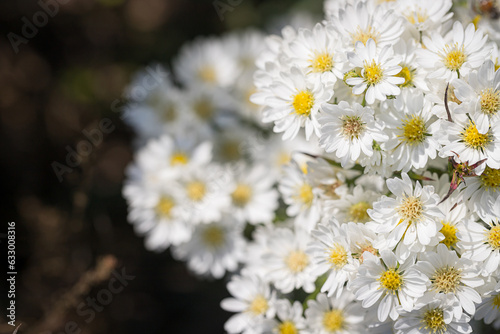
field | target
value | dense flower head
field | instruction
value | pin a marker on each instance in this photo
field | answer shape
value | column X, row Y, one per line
column 344, row 175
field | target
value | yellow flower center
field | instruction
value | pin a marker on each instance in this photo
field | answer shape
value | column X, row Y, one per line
column 352, row 126
column 358, row 212
column 169, row 113
column 165, row 206
column 434, row 321
column 496, row 301
column 450, row 234
column 391, row 280
column 363, row 36
column 411, row 209
column 373, row 73
column 306, row 195
column 196, row 190
column 490, row 178
column 287, row 327
column 207, row 74
column 474, row 139
column 322, row 63
column 417, row 16
column 297, row 261
column 213, row 236
column 203, row 109
column 241, row 195
column 407, row 74
column 337, row 256
column 333, row 320
column 490, row 101
column 454, row 57
column 414, row 130
column 303, row 103
column 494, row 237
column 258, row 305
column 446, row 279
column 179, row 158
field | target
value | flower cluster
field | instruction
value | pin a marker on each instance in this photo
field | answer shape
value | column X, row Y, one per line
column 375, row 209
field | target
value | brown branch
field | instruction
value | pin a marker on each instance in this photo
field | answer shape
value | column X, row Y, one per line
column 55, row 318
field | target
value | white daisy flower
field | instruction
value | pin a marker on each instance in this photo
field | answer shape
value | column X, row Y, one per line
column 166, row 158
column 342, row 315
column 411, row 127
column 317, row 53
column 349, row 131
column 289, row 319
column 233, row 143
column 328, row 181
column 205, row 193
column 482, row 191
column 206, row 62
column 454, row 277
column 161, row 111
column 482, row 241
column 414, row 75
column 331, row 254
column 287, row 264
column 454, row 223
column 158, row 214
column 361, row 21
column 297, row 192
column 489, row 308
column 425, row 15
column 295, row 103
column 462, row 141
column 254, row 302
column 353, row 207
column 214, row 248
column 208, row 107
column 378, row 71
column 383, row 284
column 412, row 217
column 432, row 317
column 454, row 55
column 253, row 198
column 480, row 96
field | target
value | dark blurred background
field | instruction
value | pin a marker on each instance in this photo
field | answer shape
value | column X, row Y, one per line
column 56, row 81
